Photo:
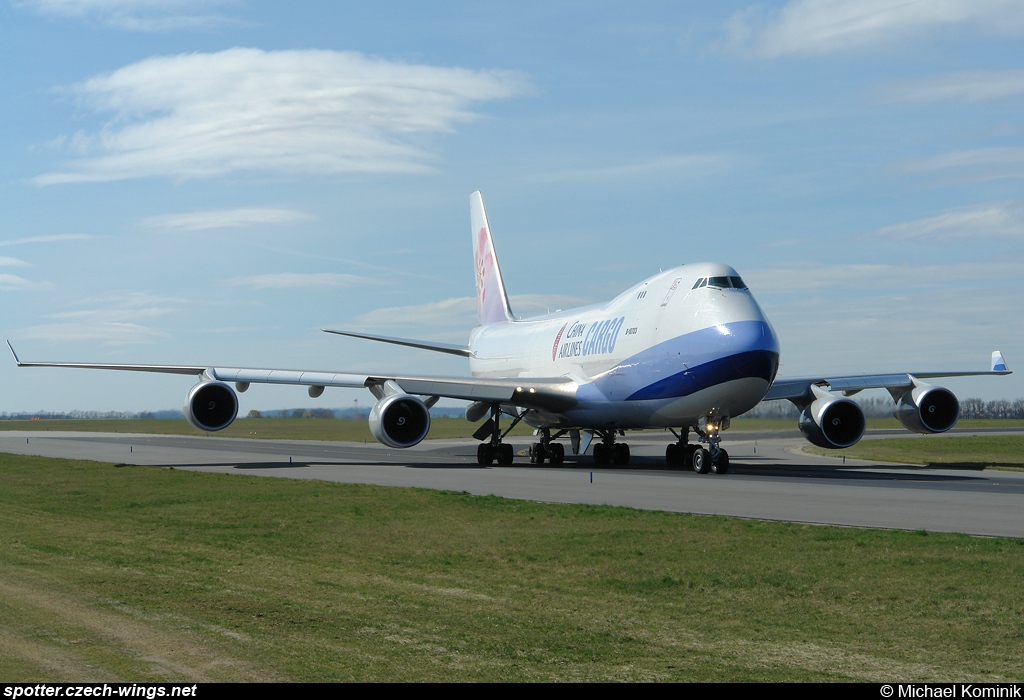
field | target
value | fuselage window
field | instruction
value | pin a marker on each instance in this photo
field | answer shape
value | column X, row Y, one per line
column 696, row 284
column 737, row 282
column 719, row 282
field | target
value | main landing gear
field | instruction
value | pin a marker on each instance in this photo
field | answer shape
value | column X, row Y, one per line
column 495, row 450
column 608, row 451
column 712, row 459
column 547, row 448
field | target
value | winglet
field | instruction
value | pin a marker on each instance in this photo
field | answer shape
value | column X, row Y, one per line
column 998, row 363
column 14, row 353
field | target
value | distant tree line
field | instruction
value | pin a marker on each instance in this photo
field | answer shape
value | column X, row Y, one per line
column 873, row 407
column 882, row 407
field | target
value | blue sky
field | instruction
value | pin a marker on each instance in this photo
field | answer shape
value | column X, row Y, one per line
column 213, row 182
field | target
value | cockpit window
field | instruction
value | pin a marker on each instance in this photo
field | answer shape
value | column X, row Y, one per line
column 720, row 282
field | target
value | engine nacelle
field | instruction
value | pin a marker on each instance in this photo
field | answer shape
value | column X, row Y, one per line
column 928, row 409
column 400, row 420
column 832, row 422
column 211, row 406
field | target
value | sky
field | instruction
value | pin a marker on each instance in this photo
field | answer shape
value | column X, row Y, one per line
column 212, row 182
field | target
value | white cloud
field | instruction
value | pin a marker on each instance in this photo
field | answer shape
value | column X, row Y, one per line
column 134, row 15
column 115, row 319
column 700, row 165
column 986, row 163
column 12, row 262
column 977, row 223
column 224, row 218
column 296, row 280
column 874, row 278
column 204, row 115
column 60, row 238
column 14, row 283
column 827, row 26
column 964, row 86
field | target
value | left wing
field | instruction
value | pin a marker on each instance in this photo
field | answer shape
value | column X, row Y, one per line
column 830, row 419
column 799, row 390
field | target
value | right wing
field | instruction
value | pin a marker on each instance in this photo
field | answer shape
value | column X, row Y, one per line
column 546, row 393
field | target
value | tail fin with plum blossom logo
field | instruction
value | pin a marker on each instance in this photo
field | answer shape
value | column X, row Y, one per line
column 491, row 300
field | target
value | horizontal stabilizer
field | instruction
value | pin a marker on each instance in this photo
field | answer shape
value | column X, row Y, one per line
column 461, row 350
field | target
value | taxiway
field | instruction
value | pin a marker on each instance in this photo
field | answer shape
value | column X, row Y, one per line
column 771, row 478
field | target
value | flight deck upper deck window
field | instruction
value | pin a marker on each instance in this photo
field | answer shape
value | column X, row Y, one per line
column 720, row 282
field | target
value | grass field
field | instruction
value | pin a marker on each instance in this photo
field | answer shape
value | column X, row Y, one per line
column 966, row 452
column 140, row 573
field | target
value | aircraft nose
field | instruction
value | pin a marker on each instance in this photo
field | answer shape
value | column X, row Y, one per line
column 755, row 350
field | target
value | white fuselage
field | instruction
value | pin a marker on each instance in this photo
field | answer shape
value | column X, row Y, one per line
column 661, row 354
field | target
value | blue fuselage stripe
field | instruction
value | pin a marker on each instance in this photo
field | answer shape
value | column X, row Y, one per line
column 690, row 363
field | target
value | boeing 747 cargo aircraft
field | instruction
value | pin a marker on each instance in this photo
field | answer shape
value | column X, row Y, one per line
column 687, row 350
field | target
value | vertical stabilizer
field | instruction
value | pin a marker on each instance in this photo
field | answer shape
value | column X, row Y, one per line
column 491, row 300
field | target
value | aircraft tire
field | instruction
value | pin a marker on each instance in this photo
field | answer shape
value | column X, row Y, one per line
column 484, row 454
column 620, row 453
column 672, row 454
column 701, row 460
column 601, row 453
column 537, row 455
column 557, row 451
column 721, row 465
column 505, row 454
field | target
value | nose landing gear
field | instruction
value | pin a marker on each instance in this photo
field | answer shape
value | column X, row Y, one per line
column 703, row 460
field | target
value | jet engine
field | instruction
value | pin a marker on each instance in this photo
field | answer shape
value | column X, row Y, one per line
column 400, row 420
column 831, row 421
column 928, row 409
column 211, row 406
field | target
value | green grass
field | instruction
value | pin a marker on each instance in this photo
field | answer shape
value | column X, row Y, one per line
column 141, row 573
column 967, row 452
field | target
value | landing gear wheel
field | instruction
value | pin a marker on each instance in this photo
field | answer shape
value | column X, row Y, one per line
column 505, row 454
column 537, row 453
column 484, row 454
column 721, row 465
column 601, row 454
column 701, row 460
column 672, row 454
column 557, row 452
column 620, row 453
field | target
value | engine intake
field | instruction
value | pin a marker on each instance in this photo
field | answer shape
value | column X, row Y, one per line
column 832, row 422
column 399, row 420
column 211, row 406
column 928, row 409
